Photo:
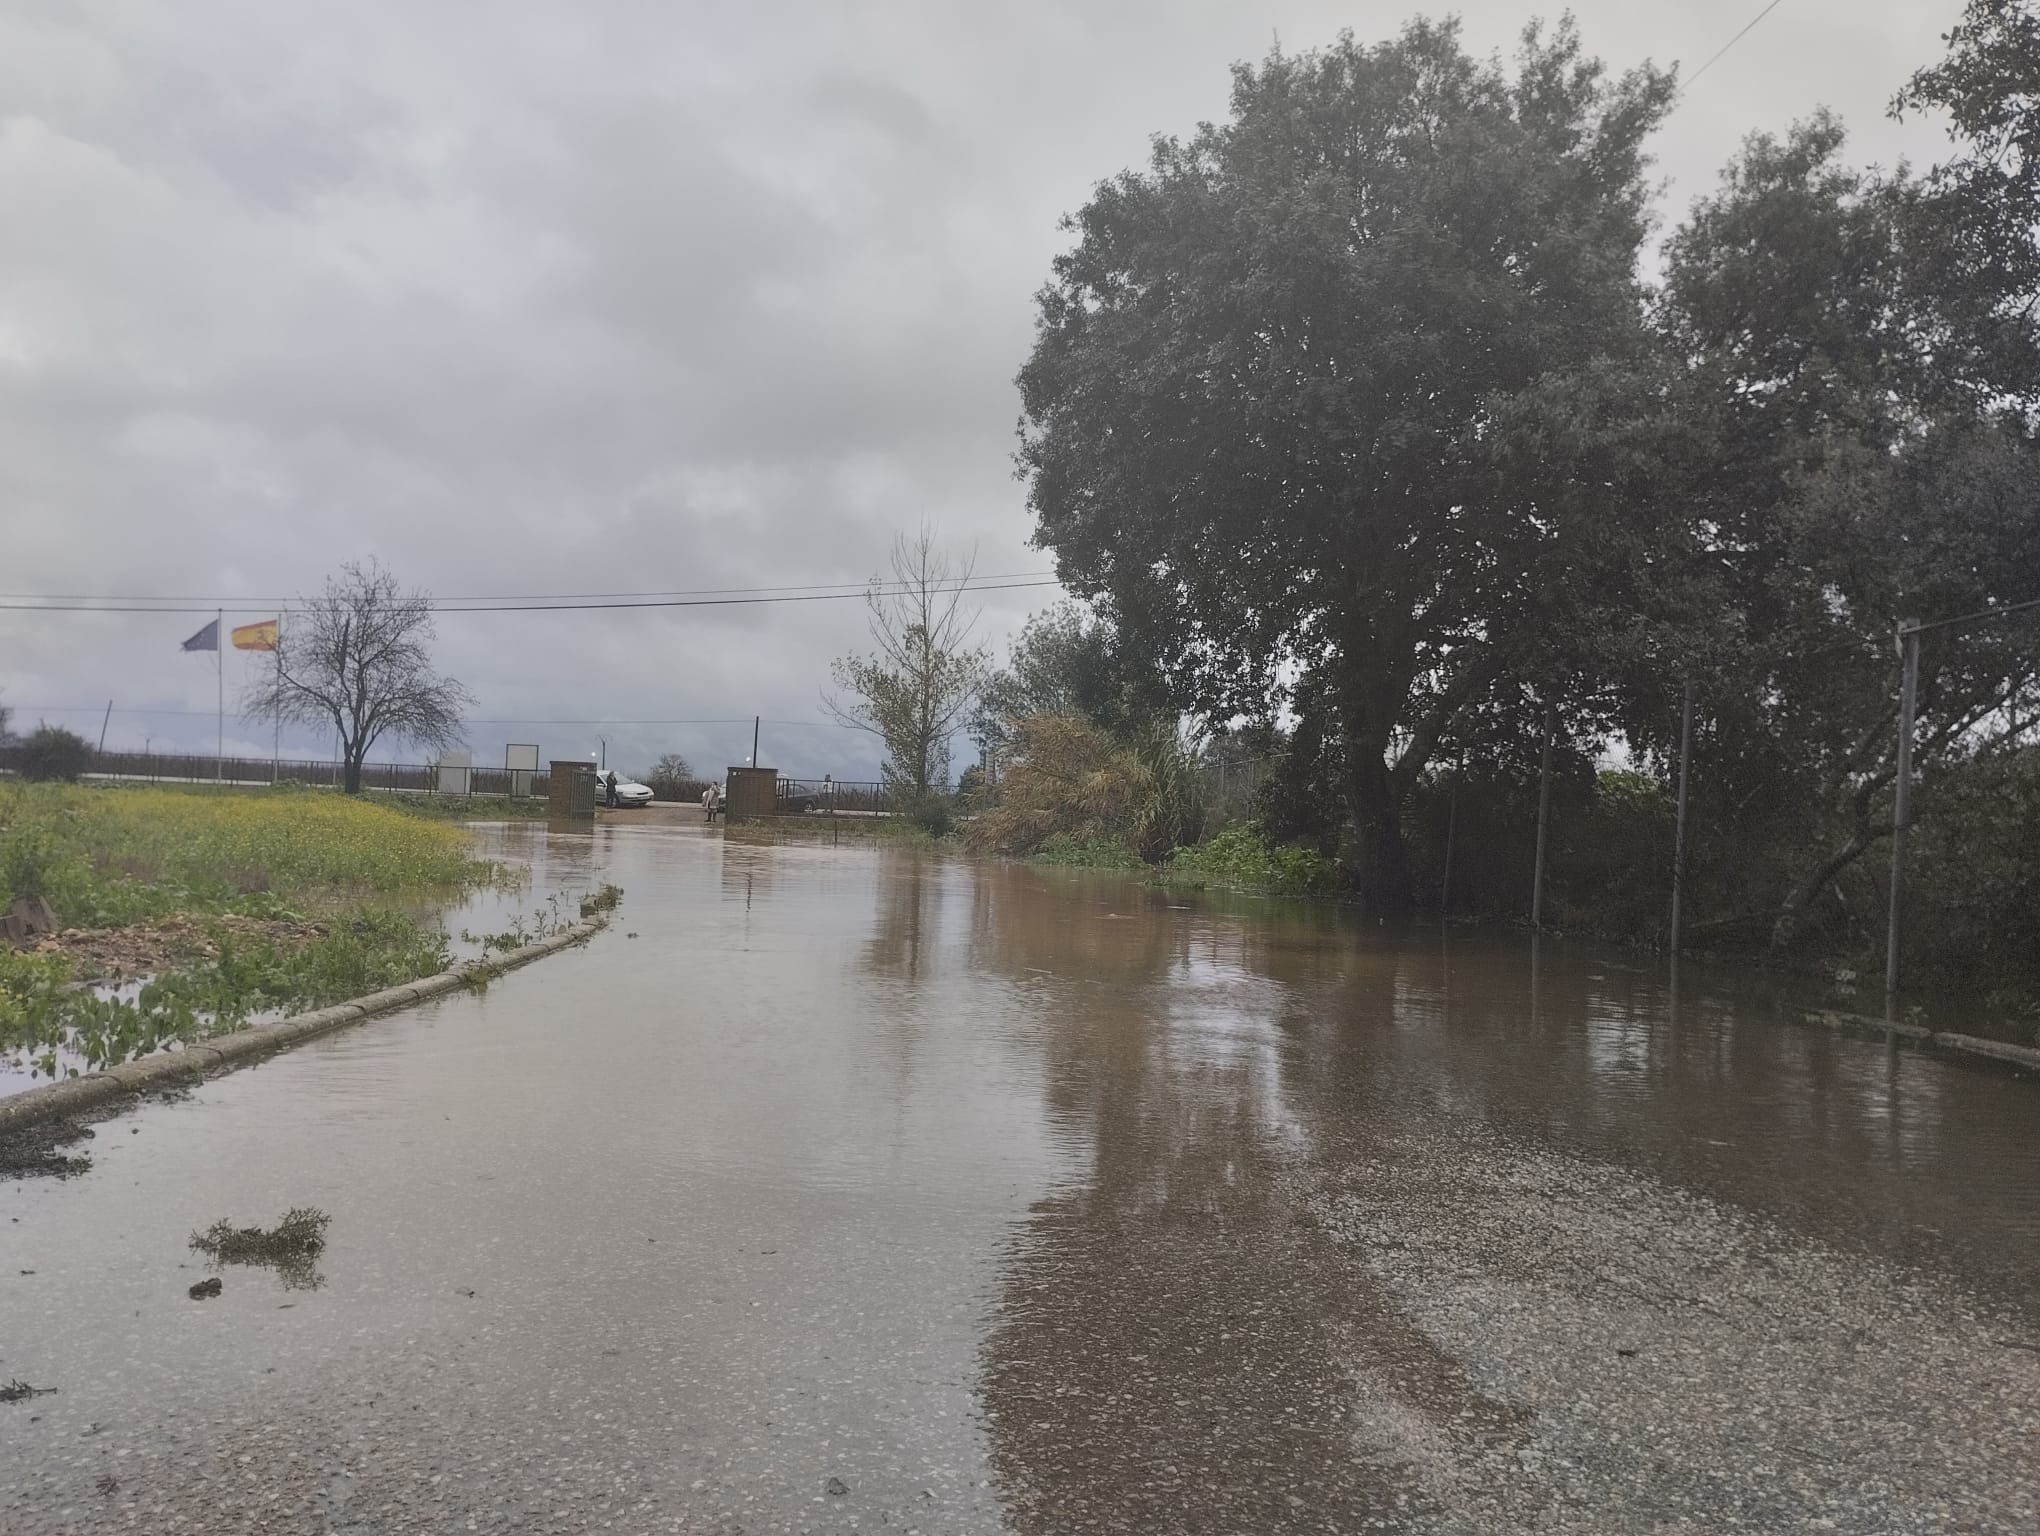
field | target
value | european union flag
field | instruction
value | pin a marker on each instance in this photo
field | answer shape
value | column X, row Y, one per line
column 207, row 639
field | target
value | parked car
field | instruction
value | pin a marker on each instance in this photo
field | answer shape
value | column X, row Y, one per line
column 799, row 797
column 624, row 794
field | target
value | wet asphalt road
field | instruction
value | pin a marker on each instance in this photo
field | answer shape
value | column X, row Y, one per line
column 866, row 1191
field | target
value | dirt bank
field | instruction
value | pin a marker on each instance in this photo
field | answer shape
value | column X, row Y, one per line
column 122, row 954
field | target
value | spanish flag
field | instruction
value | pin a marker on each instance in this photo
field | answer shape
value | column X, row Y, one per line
column 255, row 637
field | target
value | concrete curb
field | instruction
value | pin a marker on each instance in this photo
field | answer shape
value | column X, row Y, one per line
column 2025, row 1056
column 74, row 1095
column 1863, row 1025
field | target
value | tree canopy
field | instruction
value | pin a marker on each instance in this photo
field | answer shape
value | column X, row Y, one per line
column 1353, row 413
column 1280, row 379
column 918, row 685
column 355, row 658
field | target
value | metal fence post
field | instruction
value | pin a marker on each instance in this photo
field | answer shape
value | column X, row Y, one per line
column 1901, row 801
column 1679, row 836
column 1451, row 827
column 1543, row 815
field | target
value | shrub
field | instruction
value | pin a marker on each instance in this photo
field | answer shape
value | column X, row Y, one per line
column 1243, row 856
column 1071, row 780
column 934, row 812
column 52, row 753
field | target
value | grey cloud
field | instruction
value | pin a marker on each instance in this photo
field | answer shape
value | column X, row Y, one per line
column 550, row 298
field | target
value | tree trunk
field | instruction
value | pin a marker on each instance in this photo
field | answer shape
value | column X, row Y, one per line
column 1864, row 835
column 352, row 784
column 1803, row 894
column 1380, row 865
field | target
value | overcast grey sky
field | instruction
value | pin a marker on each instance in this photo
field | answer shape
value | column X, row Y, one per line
column 526, row 297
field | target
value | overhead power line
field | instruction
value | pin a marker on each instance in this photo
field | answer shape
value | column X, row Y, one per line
column 547, row 606
column 852, row 588
column 207, row 714
column 1748, row 27
column 1980, row 616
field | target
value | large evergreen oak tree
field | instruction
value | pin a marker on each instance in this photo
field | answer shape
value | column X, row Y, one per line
column 1281, row 379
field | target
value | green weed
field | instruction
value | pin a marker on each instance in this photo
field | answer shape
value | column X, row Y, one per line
column 106, row 858
column 291, row 1247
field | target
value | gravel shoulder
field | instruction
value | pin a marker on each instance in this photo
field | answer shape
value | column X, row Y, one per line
column 1671, row 1364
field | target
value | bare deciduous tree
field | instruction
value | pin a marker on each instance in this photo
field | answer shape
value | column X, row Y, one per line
column 354, row 659
column 915, row 690
column 672, row 778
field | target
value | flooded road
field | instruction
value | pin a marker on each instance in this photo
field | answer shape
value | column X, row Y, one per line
column 848, row 1189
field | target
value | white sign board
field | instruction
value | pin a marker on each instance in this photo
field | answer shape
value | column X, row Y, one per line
column 520, row 760
column 456, row 773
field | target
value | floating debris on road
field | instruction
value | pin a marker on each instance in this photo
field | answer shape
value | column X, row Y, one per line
column 31, row 1151
column 290, row 1247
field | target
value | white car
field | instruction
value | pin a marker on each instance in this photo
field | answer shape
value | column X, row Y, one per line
column 626, row 794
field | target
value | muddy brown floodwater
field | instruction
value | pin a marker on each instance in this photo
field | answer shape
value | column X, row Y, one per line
column 843, row 1188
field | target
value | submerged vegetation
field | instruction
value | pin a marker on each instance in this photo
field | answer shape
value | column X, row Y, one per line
column 546, row 922
column 1243, row 857
column 467, row 808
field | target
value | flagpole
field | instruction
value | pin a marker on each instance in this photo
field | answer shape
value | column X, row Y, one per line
column 220, row 671
column 276, row 720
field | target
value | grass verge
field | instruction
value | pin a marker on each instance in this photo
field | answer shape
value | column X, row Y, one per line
column 108, row 858
column 230, row 905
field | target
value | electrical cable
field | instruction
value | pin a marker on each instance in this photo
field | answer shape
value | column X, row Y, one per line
column 207, row 714
column 1750, row 27
column 1980, row 616
column 857, row 588
column 549, row 606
